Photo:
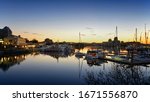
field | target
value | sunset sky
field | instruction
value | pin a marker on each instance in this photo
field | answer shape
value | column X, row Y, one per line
column 62, row 20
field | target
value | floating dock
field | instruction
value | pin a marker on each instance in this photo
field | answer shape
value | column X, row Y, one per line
column 127, row 61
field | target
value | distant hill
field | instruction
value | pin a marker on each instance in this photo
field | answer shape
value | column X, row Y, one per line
column 5, row 32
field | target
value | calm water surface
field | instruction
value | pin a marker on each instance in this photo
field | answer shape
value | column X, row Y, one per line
column 63, row 69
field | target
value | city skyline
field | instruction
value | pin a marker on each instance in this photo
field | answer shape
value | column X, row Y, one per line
column 62, row 20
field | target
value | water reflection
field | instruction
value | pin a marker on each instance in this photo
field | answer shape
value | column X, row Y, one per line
column 8, row 61
column 57, row 55
column 80, row 65
column 42, row 68
column 118, row 75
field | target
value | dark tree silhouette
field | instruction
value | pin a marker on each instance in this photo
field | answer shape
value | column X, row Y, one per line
column 34, row 41
column 48, row 41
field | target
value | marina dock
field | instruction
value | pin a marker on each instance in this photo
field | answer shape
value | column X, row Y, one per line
column 126, row 62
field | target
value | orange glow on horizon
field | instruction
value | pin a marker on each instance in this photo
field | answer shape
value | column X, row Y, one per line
column 75, row 38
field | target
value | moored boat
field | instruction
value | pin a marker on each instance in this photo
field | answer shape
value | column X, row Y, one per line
column 94, row 54
column 141, row 58
column 120, row 58
column 58, row 48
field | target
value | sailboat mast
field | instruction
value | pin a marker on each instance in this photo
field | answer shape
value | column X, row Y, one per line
column 145, row 35
column 148, row 37
column 79, row 37
column 141, row 38
column 116, row 31
column 136, row 34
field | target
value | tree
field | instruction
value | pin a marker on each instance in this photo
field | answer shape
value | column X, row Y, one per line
column 48, row 41
column 109, row 40
column 116, row 39
column 27, row 40
column 34, row 41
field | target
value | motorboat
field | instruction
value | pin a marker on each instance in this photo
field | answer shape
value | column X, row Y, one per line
column 120, row 58
column 95, row 54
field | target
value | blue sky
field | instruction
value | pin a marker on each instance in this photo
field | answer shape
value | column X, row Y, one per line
column 63, row 19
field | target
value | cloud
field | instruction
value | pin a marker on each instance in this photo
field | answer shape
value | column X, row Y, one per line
column 36, row 34
column 32, row 33
column 82, row 34
column 89, row 28
column 25, row 32
column 110, row 34
column 93, row 34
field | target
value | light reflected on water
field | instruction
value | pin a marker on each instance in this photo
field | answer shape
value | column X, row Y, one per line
column 66, row 69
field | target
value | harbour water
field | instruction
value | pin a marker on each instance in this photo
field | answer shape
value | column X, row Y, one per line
column 63, row 69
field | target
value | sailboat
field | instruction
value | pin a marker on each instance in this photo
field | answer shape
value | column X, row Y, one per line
column 78, row 53
column 142, row 53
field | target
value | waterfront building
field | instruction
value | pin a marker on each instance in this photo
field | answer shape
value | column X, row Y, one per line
column 17, row 41
column 1, row 41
